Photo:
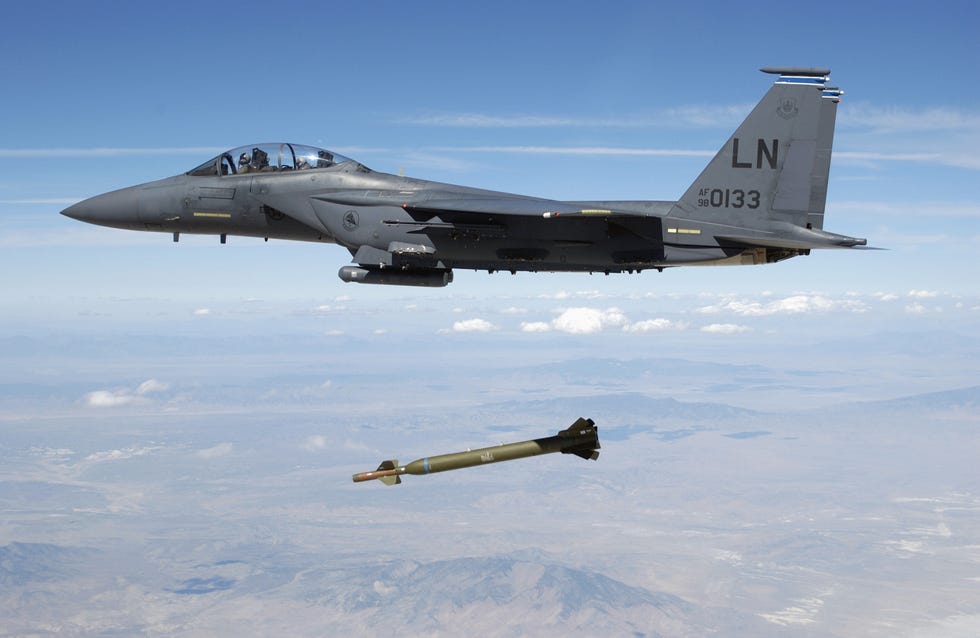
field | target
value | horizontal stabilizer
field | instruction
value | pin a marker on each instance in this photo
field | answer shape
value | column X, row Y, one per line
column 795, row 237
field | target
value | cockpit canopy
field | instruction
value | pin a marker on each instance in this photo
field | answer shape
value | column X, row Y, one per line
column 266, row 158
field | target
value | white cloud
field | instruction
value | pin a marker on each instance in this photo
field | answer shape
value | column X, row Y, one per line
column 939, row 135
column 794, row 305
column 949, row 131
column 800, row 304
column 513, row 310
column 692, row 116
column 315, row 443
column 803, row 611
column 117, row 455
column 109, row 399
column 656, row 325
column 923, row 294
column 907, row 209
column 959, row 625
column 886, row 119
column 110, row 151
column 590, row 151
column 483, row 120
column 52, row 452
column 202, row 312
column 65, row 201
column 876, row 156
column 150, row 386
column 221, row 449
column 357, row 446
column 588, row 320
column 124, row 396
column 535, row 326
column 561, row 294
column 432, row 161
column 725, row 329
column 473, row 325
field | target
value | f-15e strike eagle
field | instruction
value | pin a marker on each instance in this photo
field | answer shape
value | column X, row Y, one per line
column 760, row 200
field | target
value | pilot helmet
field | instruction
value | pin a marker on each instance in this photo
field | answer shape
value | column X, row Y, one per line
column 243, row 159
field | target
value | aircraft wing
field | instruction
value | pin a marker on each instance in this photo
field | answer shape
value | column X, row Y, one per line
column 430, row 204
column 507, row 206
column 487, row 217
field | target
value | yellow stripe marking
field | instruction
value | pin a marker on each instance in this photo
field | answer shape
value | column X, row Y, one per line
column 218, row 215
column 595, row 211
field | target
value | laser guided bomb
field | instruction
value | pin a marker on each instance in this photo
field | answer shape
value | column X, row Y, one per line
column 580, row 439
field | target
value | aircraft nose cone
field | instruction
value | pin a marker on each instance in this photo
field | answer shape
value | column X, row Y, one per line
column 118, row 209
column 80, row 211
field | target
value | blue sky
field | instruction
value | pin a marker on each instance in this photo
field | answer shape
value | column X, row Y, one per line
column 557, row 100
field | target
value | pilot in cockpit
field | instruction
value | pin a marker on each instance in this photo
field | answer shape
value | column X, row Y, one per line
column 260, row 160
column 243, row 163
column 324, row 159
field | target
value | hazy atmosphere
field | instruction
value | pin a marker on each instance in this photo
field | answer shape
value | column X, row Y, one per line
column 786, row 449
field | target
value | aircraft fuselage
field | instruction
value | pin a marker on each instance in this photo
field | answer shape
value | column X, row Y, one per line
column 760, row 200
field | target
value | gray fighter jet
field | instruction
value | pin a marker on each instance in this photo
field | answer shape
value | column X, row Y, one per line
column 760, row 200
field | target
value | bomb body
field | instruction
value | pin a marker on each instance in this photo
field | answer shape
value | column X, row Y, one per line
column 581, row 439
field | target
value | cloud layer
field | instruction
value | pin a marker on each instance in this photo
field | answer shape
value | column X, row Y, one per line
column 794, row 305
column 124, row 396
column 726, row 315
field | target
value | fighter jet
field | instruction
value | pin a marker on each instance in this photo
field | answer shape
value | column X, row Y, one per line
column 760, row 200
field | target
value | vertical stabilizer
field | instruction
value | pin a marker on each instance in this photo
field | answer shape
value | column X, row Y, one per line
column 821, row 165
column 776, row 165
